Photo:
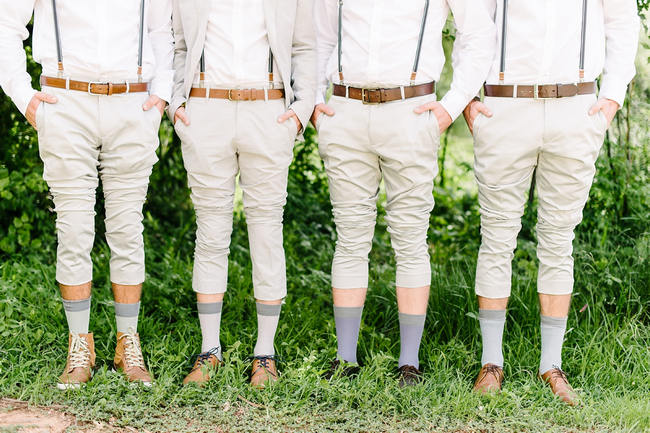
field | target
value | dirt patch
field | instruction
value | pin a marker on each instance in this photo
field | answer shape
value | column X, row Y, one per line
column 18, row 416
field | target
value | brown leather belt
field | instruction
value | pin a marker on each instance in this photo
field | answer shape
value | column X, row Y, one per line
column 237, row 94
column 94, row 88
column 378, row 96
column 540, row 91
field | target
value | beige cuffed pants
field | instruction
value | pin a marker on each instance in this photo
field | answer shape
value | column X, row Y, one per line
column 360, row 145
column 225, row 138
column 83, row 138
column 561, row 140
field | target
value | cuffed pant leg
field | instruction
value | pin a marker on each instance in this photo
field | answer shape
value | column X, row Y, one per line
column 210, row 158
column 69, row 148
column 564, row 177
column 127, row 156
column 353, row 172
column 506, row 148
column 265, row 149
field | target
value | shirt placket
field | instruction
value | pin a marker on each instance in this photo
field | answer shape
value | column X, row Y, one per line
column 237, row 25
column 549, row 46
column 100, row 52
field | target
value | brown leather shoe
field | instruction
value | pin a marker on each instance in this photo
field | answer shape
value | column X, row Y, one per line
column 263, row 371
column 340, row 368
column 489, row 379
column 206, row 363
column 557, row 380
column 129, row 360
column 409, row 376
column 81, row 360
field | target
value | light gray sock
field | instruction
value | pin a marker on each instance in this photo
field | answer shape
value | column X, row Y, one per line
column 126, row 316
column 552, row 329
column 492, row 323
column 348, row 323
column 268, row 317
column 210, row 319
column 77, row 314
column 410, row 331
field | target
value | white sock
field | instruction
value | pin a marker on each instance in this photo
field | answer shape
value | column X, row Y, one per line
column 77, row 314
column 268, row 317
column 210, row 319
column 552, row 329
column 126, row 316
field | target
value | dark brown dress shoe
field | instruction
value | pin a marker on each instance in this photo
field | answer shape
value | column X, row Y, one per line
column 409, row 376
column 489, row 379
column 341, row 369
column 557, row 380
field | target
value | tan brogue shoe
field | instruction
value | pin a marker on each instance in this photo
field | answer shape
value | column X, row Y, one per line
column 263, row 371
column 489, row 379
column 129, row 360
column 206, row 363
column 81, row 360
column 557, row 380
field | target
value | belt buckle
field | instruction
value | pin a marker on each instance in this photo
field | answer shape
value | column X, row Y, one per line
column 364, row 93
column 90, row 84
column 230, row 95
column 536, row 91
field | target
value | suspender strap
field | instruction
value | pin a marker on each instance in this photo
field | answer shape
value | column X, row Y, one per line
column 141, row 41
column 340, row 38
column 504, row 27
column 420, row 38
column 57, row 34
column 270, row 67
column 582, row 40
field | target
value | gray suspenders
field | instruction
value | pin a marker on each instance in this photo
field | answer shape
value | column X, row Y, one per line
column 59, row 51
column 202, row 69
column 583, row 34
column 417, row 50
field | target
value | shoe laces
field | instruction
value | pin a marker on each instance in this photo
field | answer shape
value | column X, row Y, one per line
column 203, row 357
column 264, row 362
column 79, row 353
column 558, row 373
column 132, row 349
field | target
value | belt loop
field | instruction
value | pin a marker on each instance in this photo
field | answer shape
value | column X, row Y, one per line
column 347, row 91
column 67, row 83
column 266, row 94
column 128, row 87
column 207, row 93
column 514, row 91
column 401, row 89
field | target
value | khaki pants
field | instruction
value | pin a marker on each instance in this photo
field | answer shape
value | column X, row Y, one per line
column 83, row 138
column 361, row 144
column 560, row 139
column 225, row 138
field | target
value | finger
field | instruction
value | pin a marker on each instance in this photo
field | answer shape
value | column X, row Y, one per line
column 285, row 116
column 184, row 118
column 153, row 100
column 595, row 108
column 327, row 110
column 50, row 99
column 422, row 108
column 482, row 108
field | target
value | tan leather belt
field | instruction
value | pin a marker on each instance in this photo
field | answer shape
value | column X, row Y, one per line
column 237, row 94
column 93, row 87
column 540, row 91
column 378, row 96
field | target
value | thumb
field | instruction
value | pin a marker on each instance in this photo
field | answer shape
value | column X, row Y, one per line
column 421, row 109
column 485, row 110
column 285, row 116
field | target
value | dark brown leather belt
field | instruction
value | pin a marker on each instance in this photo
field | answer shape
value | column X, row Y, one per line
column 378, row 96
column 237, row 94
column 94, row 87
column 541, row 91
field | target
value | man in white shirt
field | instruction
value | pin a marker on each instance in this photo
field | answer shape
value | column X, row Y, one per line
column 244, row 87
column 383, row 122
column 107, row 72
column 541, row 115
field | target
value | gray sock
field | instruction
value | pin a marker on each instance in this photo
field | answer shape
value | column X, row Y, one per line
column 126, row 316
column 210, row 319
column 77, row 314
column 552, row 329
column 268, row 317
column 492, row 323
column 410, row 331
column 348, row 323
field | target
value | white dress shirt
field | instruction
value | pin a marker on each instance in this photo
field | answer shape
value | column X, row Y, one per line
column 99, row 40
column 543, row 43
column 379, row 40
column 236, row 44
